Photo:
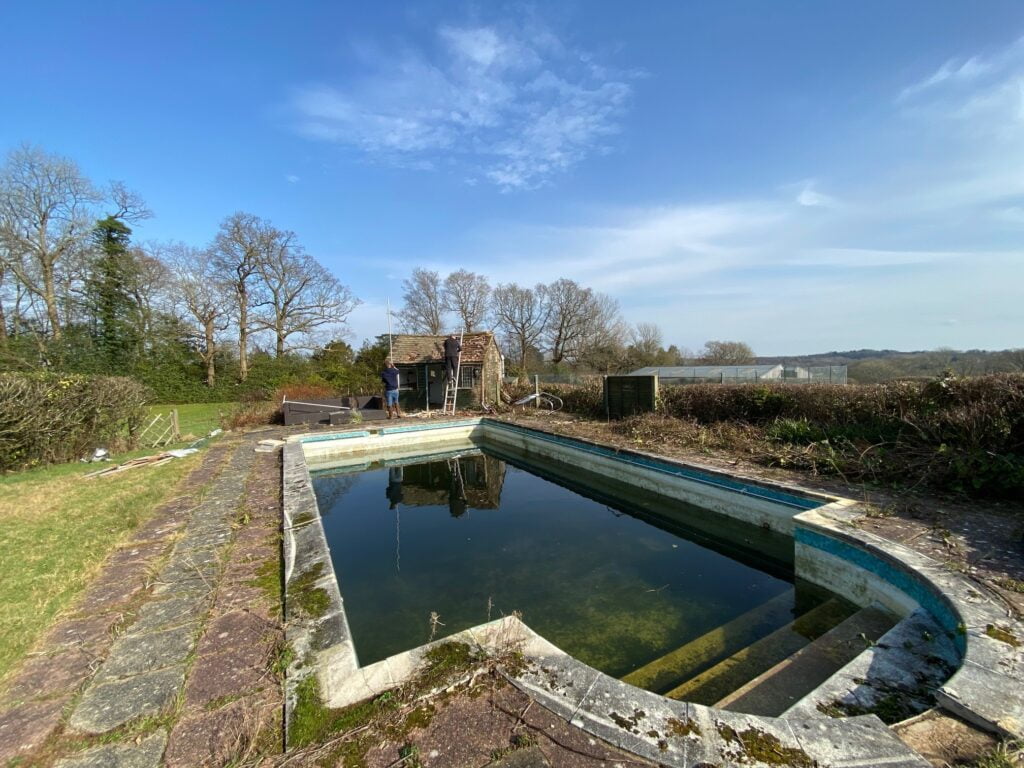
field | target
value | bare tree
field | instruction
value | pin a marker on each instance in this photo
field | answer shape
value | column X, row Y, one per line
column 3, row 301
column 243, row 240
column 203, row 299
column 726, row 353
column 579, row 318
column 301, row 296
column 424, row 306
column 149, row 286
column 46, row 218
column 466, row 294
column 647, row 341
column 521, row 315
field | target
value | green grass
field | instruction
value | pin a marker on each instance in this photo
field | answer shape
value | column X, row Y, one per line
column 196, row 419
column 56, row 528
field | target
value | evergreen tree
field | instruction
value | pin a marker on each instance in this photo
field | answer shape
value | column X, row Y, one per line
column 114, row 313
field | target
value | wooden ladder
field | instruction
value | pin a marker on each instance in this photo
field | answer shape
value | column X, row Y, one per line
column 451, row 387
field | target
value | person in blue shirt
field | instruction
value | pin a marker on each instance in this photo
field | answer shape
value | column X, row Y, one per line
column 390, row 378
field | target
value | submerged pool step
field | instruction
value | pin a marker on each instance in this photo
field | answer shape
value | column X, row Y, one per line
column 684, row 662
column 747, row 663
column 774, row 691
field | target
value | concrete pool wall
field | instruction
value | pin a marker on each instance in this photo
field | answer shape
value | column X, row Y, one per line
column 987, row 688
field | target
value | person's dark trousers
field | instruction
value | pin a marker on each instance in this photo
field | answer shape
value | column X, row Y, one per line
column 450, row 363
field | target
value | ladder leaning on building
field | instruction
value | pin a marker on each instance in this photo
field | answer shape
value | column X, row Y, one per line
column 451, row 387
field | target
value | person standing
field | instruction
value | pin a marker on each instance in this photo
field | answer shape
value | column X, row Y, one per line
column 389, row 376
column 452, row 350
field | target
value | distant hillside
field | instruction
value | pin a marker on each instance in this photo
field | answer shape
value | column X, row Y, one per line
column 867, row 366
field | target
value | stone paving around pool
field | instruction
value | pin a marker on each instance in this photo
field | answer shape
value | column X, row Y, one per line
column 168, row 657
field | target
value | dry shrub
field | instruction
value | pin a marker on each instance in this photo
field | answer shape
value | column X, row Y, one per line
column 46, row 418
column 303, row 392
column 962, row 434
column 254, row 413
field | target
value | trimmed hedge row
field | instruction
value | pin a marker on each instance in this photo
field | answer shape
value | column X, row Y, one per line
column 47, row 418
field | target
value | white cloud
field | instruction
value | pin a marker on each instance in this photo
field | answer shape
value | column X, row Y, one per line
column 809, row 197
column 291, row 178
column 512, row 106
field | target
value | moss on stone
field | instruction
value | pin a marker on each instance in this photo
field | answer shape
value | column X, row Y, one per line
column 268, row 579
column 443, row 665
column 764, row 747
column 681, row 728
column 1002, row 634
column 311, row 600
column 890, row 708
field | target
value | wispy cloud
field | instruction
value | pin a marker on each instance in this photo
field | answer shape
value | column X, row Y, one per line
column 509, row 105
column 963, row 71
column 809, row 197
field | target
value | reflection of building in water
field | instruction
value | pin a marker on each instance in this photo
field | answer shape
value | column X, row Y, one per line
column 468, row 482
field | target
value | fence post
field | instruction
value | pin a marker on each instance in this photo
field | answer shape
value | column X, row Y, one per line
column 175, row 428
column 536, row 390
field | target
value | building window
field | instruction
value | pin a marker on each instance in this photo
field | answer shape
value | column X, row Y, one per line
column 469, row 375
column 407, row 377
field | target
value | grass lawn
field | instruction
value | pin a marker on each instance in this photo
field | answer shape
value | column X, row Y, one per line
column 56, row 527
column 196, row 419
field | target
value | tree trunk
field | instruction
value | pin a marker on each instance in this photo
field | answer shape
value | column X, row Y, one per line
column 3, row 324
column 50, row 297
column 280, row 341
column 211, row 351
column 243, row 334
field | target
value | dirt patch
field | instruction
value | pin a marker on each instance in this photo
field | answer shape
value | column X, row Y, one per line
column 944, row 740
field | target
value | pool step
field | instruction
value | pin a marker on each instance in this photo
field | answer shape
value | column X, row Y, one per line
column 774, row 691
column 894, row 678
column 729, row 674
column 668, row 671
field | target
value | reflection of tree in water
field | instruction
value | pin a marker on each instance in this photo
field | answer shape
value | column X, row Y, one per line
column 462, row 483
column 330, row 489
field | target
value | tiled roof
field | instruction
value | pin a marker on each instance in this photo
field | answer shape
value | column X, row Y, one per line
column 412, row 348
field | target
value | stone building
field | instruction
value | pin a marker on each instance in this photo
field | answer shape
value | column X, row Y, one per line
column 420, row 361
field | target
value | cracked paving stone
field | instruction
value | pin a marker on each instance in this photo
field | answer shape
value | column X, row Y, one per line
column 145, row 754
column 109, row 705
column 172, row 612
column 134, row 654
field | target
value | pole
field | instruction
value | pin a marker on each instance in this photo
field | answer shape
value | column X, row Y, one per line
column 536, row 391
column 391, row 346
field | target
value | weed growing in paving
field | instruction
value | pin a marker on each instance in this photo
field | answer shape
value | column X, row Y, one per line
column 349, row 732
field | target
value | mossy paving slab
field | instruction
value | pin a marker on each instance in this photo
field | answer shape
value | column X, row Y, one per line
column 172, row 612
column 106, row 706
column 135, row 654
column 146, row 754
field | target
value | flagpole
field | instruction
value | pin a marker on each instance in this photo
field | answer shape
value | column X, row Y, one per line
column 391, row 346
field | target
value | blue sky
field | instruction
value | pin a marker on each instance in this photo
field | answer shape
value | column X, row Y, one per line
column 802, row 176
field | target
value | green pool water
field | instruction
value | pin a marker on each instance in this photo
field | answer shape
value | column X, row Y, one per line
column 611, row 574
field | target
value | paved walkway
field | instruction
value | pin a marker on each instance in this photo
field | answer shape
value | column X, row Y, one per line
column 169, row 656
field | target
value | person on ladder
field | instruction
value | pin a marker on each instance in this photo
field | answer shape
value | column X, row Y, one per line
column 452, row 350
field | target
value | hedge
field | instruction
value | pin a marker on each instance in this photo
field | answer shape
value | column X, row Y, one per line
column 47, row 418
column 959, row 433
